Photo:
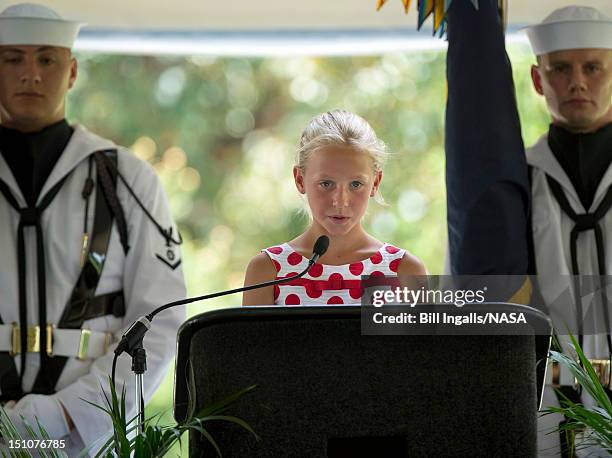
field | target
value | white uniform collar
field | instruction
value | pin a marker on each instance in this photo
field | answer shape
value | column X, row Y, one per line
column 541, row 157
column 7, row 176
column 81, row 144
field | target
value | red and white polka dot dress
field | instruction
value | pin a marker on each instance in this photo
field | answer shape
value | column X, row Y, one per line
column 326, row 284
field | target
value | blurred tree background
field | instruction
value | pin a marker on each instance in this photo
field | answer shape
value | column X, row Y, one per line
column 221, row 133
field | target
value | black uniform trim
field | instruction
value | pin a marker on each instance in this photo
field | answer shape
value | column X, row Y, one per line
column 29, row 216
column 586, row 222
column 79, row 307
column 82, row 304
column 106, row 166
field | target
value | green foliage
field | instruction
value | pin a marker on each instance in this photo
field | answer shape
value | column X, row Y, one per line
column 156, row 440
column 221, row 134
column 596, row 421
column 9, row 432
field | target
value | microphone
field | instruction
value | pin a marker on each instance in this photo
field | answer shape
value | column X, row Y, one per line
column 135, row 333
column 320, row 247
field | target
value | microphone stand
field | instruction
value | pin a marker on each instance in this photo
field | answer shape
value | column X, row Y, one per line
column 131, row 342
column 139, row 366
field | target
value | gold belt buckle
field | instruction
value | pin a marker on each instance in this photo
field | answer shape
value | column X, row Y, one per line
column 32, row 341
column 50, row 329
column 49, row 342
column 83, row 344
column 602, row 369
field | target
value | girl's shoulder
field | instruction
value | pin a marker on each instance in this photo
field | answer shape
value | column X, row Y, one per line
column 402, row 262
column 261, row 266
column 409, row 264
column 284, row 259
column 259, row 270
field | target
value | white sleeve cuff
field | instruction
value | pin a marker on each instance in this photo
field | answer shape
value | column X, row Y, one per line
column 48, row 411
column 92, row 424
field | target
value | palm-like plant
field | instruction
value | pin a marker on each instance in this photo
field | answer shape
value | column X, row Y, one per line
column 595, row 421
column 8, row 432
column 155, row 440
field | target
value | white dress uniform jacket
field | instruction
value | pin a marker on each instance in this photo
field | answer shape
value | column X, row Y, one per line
column 146, row 280
column 551, row 232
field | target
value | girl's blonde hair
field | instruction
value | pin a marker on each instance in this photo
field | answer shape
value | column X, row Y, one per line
column 341, row 128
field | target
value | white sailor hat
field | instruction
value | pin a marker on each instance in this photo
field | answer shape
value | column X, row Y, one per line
column 572, row 27
column 33, row 24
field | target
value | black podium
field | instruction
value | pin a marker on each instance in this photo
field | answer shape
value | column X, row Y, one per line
column 326, row 390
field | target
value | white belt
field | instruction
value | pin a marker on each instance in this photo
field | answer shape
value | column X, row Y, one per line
column 77, row 343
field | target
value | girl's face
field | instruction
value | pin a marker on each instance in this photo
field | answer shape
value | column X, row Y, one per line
column 338, row 182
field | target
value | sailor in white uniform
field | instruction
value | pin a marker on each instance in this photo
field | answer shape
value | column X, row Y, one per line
column 88, row 243
column 571, row 182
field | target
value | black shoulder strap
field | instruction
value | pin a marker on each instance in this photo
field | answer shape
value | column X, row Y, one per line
column 165, row 233
column 107, row 170
column 76, row 311
column 82, row 304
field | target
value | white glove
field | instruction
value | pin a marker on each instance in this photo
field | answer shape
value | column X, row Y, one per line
column 48, row 411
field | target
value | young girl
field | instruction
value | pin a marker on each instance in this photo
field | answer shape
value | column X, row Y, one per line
column 339, row 168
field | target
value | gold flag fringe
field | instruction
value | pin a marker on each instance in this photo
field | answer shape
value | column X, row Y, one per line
column 439, row 8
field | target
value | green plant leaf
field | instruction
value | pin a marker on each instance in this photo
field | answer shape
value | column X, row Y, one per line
column 223, row 404
column 595, row 421
column 235, row 420
column 157, row 440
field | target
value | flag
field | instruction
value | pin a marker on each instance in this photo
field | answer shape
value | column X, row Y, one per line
column 439, row 9
column 488, row 192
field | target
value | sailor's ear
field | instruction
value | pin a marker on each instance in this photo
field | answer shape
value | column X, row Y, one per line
column 536, row 78
column 73, row 72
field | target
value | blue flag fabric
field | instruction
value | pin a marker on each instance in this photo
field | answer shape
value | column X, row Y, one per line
column 488, row 194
